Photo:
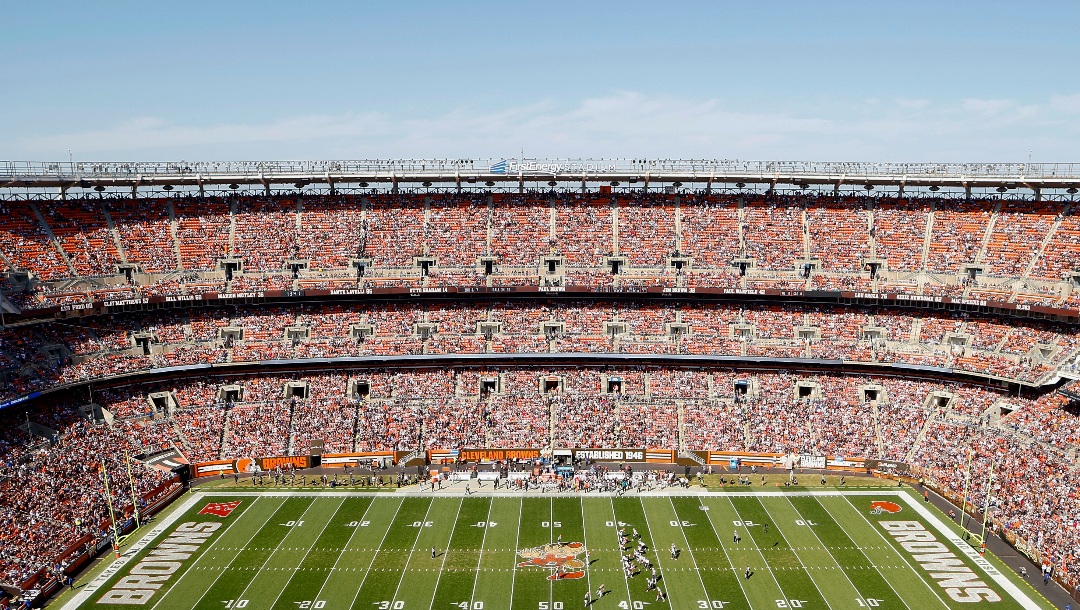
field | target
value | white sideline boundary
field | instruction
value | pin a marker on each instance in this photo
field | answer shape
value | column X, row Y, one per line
column 1002, row 581
column 118, row 564
column 965, row 548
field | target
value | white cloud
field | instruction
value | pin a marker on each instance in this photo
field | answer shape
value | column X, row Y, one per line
column 621, row 124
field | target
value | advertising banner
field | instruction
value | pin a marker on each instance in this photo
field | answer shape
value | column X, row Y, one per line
column 497, row 455
column 609, row 455
column 366, row 458
column 285, row 462
column 219, row 467
column 811, row 461
column 660, row 456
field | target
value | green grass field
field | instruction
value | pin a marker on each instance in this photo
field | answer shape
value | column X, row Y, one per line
column 313, row 551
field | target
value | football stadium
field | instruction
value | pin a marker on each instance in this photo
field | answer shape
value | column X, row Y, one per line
column 485, row 305
column 540, row 384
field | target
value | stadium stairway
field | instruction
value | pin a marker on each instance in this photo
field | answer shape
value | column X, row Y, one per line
column 52, row 238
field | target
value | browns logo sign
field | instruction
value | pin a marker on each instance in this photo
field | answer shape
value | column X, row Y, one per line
column 559, row 557
column 878, row 507
column 291, row 461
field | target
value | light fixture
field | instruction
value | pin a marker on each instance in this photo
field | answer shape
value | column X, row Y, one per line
column 935, row 188
column 234, row 186
column 167, row 187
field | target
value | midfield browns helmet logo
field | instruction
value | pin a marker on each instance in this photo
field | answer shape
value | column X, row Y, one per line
column 221, row 509
column 878, row 507
column 561, row 558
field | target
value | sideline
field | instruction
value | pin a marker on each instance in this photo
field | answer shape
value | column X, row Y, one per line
column 965, row 548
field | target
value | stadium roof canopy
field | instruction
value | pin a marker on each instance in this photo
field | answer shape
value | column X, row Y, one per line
column 642, row 172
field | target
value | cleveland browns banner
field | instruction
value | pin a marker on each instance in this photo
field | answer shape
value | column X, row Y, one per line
column 497, row 455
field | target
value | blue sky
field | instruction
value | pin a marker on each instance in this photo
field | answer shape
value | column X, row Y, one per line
column 867, row 81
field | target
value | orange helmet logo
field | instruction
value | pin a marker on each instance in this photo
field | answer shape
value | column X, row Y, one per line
column 880, row 506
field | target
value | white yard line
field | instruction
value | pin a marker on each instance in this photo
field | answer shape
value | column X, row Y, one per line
column 777, row 525
column 831, row 556
column 376, row 553
column 689, row 551
column 480, row 557
column 442, row 564
column 259, row 571
column 629, row 596
column 342, row 554
column 659, row 564
column 307, row 552
column 419, row 530
column 517, row 546
column 727, row 558
column 764, row 561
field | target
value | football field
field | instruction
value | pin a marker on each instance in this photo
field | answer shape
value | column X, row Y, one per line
column 823, row 550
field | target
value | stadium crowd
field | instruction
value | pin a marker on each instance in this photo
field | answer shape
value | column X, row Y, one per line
column 50, row 470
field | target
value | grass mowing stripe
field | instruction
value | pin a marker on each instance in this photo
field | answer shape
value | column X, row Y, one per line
column 417, row 585
column 719, row 581
column 378, row 521
column 761, row 592
column 236, row 575
column 567, row 513
column 851, row 559
column 531, row 584
column 904, row 581
column 588, row 550
column 382, row 575
column 793, row 580
column 389, row 563
column 685, row 586
column 458, row 571
column 323, row 556
column 630, row 512
column 494, row 585
column 832, row 577
column 480, row 553
column 264, row 589
column 617, row 526
column 827, row 594
column 517, row 545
